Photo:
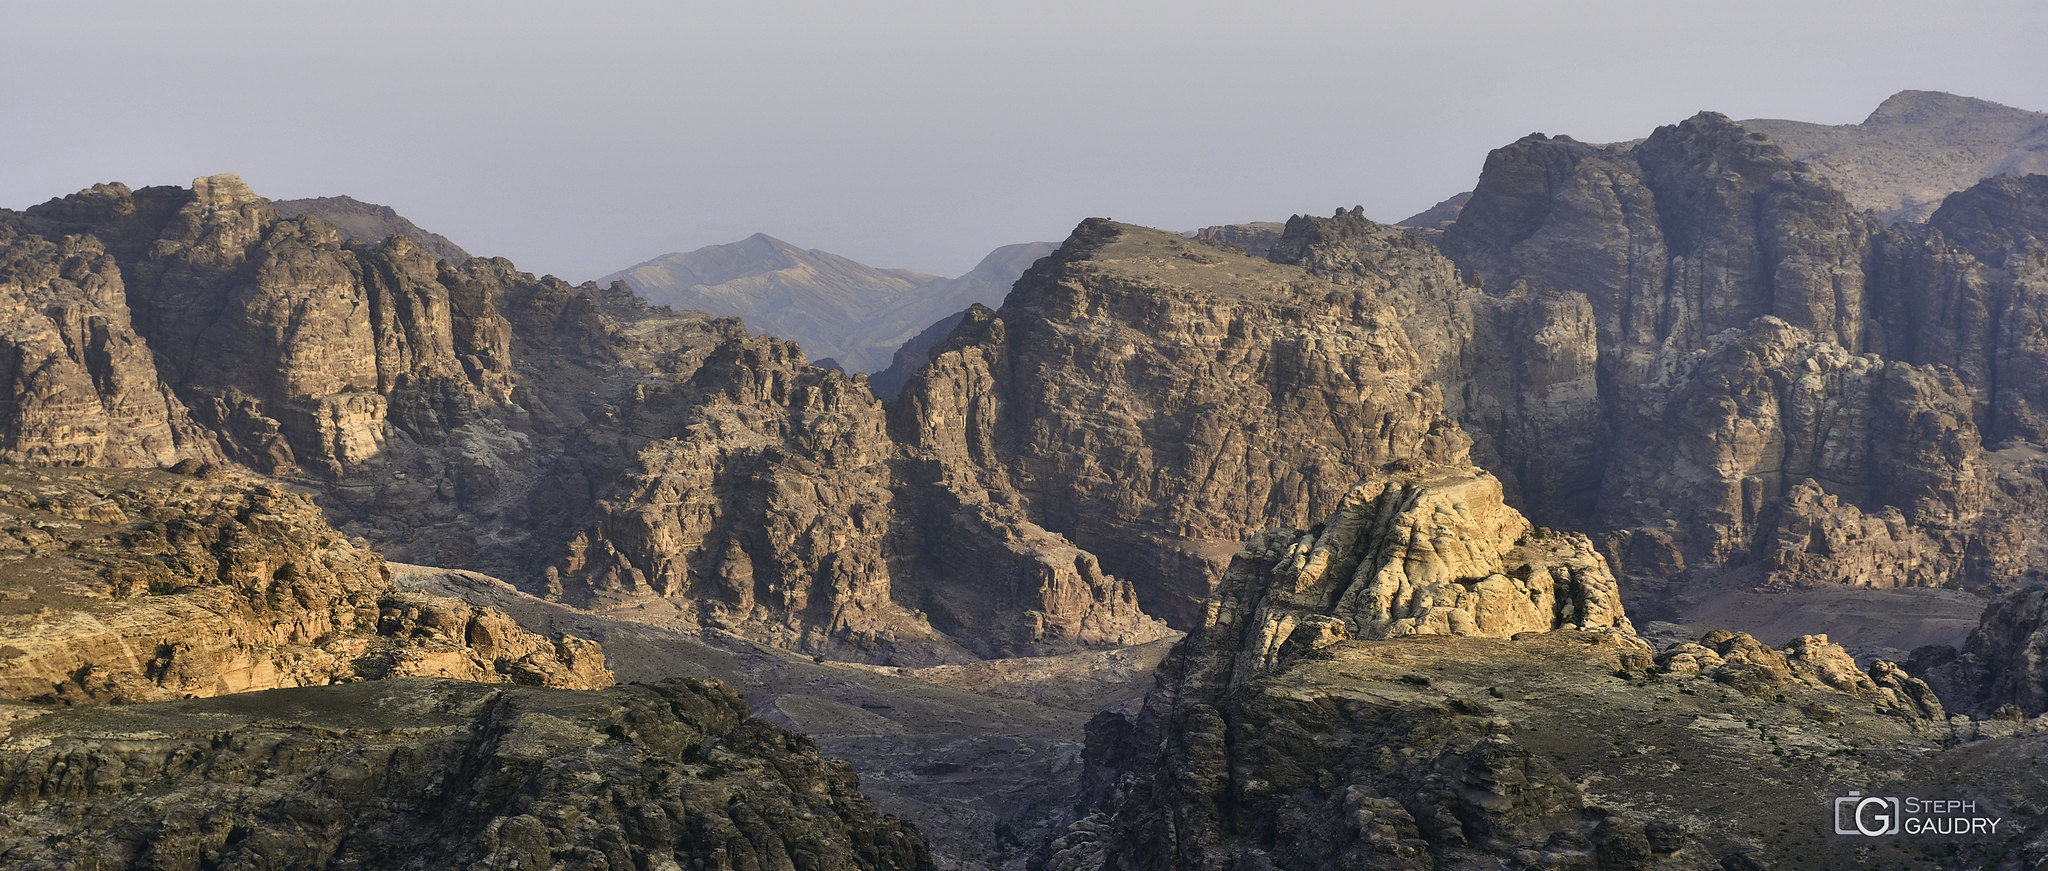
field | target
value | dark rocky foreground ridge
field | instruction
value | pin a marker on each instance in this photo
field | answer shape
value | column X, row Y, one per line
column 432, row 774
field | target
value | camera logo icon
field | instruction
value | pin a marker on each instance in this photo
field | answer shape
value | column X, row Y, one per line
column 1871, row 815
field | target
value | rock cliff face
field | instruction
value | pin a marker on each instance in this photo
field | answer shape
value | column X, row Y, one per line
column 474, row 416
column 79, row 384
column 1118, row 396
column 1279, row 736
column 141, row 586
column 2003, row 667
column 434, row 774
column 1699, row 349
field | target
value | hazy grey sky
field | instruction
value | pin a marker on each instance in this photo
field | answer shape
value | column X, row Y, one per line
column 582, row 138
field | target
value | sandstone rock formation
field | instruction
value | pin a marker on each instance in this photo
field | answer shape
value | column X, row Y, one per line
column 2003, row 667
column 1156, row 399
column 1279, row 736
column 371, row 223
column 478, row 417
column 140, row 586
column 79, row 385
column 1418, row 550
column 434, row 774
column 1699, row 349
column 1255, row 238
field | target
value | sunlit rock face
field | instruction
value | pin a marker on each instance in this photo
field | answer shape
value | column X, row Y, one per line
column 138, row 586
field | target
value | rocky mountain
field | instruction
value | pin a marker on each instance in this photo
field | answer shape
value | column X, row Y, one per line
column 1703, row 353
column 434, row 774
column 1087, row 446
column 136, row 586
column 370, row 223
column 847, row 315
column 814, row 297
column 612, row 454
column 1379, row 692
column 1916, row 149
column 1114, row 399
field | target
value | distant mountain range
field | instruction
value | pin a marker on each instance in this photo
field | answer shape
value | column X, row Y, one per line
column 370, row 222
column 849, row 313
column 1915, row 149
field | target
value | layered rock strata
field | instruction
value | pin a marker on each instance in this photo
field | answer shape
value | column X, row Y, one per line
column 435, row 774
column 142, row 586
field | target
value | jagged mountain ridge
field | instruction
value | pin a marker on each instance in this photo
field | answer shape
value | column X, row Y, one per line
column 1087, row 445
column 1741, row 368
column 600, row 449
column 1913, row 150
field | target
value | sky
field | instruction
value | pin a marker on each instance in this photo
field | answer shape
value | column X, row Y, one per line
column 580, row 139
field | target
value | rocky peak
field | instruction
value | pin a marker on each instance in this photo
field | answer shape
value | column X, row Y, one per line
column 1149, row 367
column 224, row 190
column 1421, row 549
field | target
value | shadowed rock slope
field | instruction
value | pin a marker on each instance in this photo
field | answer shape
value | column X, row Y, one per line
column 1537, row 732
column 423, row 774
column 371, row 223
column 142, row 585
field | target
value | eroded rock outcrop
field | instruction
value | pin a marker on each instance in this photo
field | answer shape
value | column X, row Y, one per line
column 2003, row 667
column 435, row 774
column 78, row 385
column 1698, row 349
column 1315, row 722
column 1417, row 550
column 475, row 416
column 141, row 585
column 1118, row 396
